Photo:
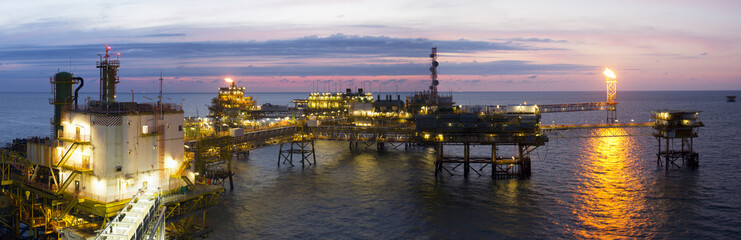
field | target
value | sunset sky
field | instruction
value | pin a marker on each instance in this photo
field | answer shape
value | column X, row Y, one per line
column 287, row 45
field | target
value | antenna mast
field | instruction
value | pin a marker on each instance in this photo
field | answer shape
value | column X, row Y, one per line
column 433, row 77
column 160, row 96
column 108, row 76
column 162, row 110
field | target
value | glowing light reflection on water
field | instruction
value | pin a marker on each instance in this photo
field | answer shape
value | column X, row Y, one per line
column 610, row 200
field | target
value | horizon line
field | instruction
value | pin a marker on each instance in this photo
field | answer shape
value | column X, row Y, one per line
column 156, row 92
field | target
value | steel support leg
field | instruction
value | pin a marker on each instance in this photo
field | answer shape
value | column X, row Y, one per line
column 466, row 160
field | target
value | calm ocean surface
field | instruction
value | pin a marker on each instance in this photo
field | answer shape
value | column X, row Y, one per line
column 580, row 188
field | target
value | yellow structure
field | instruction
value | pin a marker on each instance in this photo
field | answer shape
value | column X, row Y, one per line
column 230, row 107
column 337, row 104
column 232, row 98
column 611, row 81
column 671, row 125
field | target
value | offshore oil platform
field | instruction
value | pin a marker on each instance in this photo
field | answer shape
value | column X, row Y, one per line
column 110, row 170
column 128, row 170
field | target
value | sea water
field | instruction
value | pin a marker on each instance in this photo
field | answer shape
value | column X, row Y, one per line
column 580, row 188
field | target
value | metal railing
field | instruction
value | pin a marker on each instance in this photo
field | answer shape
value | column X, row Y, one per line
column 575, row 107
column 74, row 136
column 141, row 217
column 109, row 62
column 598, row 125
column 158, row 231
column 130, row 107
column 108, row 199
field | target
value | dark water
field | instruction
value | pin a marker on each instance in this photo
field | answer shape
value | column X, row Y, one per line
column 580, row 188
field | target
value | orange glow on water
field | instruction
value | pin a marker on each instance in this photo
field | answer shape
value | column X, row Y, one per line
column 610, row 203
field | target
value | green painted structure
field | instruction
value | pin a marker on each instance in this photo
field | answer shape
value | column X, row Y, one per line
column 62, row 90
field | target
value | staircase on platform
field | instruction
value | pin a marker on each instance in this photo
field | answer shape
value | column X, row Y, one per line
column 136, row 218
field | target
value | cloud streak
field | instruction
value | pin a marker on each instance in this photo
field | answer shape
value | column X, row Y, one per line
column 505, row 67
column 338, row 55
column 166, row 35
column 540, row 40
column 335, row 46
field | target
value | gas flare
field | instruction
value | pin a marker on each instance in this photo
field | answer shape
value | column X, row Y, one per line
column 609, row 73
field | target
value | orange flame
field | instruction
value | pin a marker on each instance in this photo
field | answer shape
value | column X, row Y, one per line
column 229, row 80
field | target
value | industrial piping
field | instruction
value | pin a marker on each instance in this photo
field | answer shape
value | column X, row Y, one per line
column 82, row 83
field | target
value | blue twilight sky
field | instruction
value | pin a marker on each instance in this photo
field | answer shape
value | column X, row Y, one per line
column 287, row 45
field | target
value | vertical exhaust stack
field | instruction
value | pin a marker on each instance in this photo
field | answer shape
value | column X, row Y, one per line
column 108, row 76
column 62, row 98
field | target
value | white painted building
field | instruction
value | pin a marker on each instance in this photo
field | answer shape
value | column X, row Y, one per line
column 108, row 152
